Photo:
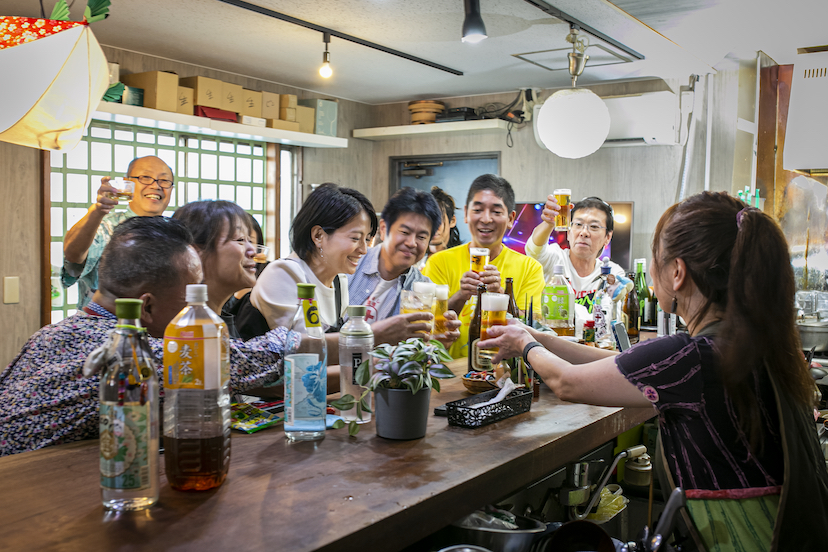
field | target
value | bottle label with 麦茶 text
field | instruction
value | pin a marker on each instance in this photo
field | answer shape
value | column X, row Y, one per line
column 124, row 446
column 195, row 357
column 555, row 303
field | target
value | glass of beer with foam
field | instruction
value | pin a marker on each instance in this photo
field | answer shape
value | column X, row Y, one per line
column 479, row 259
column 440, row 308
column 563, row 196
column 493, row 313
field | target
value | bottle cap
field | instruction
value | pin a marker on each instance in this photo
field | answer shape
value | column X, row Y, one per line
column 128, row 308
column 356, row 310
column 589, row 323
column 557, row 269
column 305, row 291
column 196, row 293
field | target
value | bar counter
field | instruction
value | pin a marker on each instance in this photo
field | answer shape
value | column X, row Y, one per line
column 342, row 493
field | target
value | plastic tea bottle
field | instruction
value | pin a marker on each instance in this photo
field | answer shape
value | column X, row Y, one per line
column 474, row 332
column 356, row 340
column 196, row 396
column 559, row 303
column 128, row 415
column 306, row 373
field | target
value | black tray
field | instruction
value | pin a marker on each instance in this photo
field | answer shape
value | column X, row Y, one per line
column 516, row 402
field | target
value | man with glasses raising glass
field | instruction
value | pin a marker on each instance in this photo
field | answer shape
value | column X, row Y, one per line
column 590, row 231
column 85, row 241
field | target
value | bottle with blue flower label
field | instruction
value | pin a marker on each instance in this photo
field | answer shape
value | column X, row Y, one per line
column 306, row 373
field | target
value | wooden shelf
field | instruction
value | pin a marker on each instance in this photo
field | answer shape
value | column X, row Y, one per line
column 154, row 118
column 388, row 133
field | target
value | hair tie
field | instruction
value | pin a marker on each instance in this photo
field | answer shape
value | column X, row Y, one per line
column 741, row 214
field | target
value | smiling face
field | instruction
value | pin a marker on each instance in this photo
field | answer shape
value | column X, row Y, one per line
column 344, row 248
column 488, row 219
column 405, row 242
column 150, row 200
column 585, row 244
column 231, row 266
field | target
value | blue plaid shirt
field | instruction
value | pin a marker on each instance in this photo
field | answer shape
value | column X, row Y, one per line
column 366, row 278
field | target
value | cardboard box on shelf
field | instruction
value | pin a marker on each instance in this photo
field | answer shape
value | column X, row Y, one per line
column 305, row 116
column 231, row 97
column 325, row 117
column 206, row 91
column 185, row 100
column 252, row 121
column 287, row 100
column 287, row 113
column 270, row 105
column 160, row 89
column 283, row 125
column 251, row 103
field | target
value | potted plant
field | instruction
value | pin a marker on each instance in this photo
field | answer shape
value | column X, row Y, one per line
column 403, row 377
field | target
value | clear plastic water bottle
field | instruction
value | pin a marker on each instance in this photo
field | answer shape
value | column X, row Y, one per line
column 196, row 396
column 356, row 340
column 128, row 395
column 306, row 373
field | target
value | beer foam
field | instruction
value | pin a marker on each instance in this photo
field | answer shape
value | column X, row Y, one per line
column 495, row 302
column 442, row 293
column 424, row 288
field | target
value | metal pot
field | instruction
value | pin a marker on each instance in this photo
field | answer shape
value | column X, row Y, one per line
column 501, row 540
column 813, row 334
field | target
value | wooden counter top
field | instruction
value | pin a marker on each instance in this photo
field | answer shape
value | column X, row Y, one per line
column 342, row 493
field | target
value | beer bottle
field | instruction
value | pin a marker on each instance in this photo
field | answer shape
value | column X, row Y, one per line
column 515, row 364
column 632, row 311
column 474, row 330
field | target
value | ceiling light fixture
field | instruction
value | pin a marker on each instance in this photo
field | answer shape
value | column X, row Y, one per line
column 473, row 28
column 573, row 123
column 325, row 71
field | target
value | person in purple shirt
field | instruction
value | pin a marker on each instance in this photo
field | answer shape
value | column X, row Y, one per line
column 733, row 396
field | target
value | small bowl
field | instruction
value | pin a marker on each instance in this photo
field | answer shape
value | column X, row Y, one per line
column 478, row 386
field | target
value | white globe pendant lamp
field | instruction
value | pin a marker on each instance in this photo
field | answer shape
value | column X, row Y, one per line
column 573, row 123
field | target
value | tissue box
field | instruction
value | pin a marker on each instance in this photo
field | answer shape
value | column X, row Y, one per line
column 206, row 91
column 252, row 121
column 160, row 89
column 326, row 115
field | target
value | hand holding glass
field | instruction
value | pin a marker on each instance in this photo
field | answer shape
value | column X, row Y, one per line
column 440, row 308
column 563, row 196
column 493, row 308
column 413, row 302
column 124, row 189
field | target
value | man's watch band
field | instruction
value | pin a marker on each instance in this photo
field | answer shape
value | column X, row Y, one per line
column 529, row 347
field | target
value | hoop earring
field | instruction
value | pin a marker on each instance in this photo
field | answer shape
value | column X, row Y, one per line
column 674, row 306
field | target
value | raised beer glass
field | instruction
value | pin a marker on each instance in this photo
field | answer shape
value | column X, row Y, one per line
column 494, row 308
column 563, row 196
column 479, row 259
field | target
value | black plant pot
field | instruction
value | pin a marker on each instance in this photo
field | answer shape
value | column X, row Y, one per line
column 401, row 415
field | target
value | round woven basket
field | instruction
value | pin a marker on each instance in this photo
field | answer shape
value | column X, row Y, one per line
column 478, row 386
column 425, row 111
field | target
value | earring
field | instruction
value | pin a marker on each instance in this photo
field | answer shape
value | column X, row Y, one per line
column 321, row 255
column 674, row 306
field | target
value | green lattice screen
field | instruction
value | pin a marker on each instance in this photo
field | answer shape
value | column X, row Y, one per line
column 205, row 167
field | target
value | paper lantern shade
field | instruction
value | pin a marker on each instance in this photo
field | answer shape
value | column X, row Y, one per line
column 51, row 86
column 573, row 123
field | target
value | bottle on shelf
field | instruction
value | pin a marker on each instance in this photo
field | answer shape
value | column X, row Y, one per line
column 632, row 313
column 643, row 290
column 559, row 303
column 196, row 396
column 474, row 364
column 306, row 373
column 356, row 340
column 128, row 395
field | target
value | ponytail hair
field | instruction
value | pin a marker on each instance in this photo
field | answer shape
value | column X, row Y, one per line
column 738, row 258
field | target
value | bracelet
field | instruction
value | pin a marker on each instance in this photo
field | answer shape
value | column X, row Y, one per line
column 529, row 347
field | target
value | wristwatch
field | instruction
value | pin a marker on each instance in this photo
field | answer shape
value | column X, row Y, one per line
column 529, row 347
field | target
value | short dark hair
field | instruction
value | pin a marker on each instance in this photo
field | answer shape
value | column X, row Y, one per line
column 410, row 200
column 205, row 220
column 330, row 207
column 143, row 255
column 593, row 202
column 446, row 203
column 498, row 185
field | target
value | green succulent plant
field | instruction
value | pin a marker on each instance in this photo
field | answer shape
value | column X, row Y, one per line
column 414, row 364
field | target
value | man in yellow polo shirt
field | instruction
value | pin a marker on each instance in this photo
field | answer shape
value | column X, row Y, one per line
column 489, row 212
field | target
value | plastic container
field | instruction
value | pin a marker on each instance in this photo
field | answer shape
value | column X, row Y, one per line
column 196, row 396
column 356, row 340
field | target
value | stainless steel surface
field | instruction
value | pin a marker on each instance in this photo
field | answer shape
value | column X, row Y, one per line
column 813, row 335
column 501, row 540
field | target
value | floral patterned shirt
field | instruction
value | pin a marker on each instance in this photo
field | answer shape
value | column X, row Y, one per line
column 45, row 400
column 86, row 273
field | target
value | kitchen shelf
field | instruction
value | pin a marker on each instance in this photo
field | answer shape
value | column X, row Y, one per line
column 165, row 120
column 388, row 133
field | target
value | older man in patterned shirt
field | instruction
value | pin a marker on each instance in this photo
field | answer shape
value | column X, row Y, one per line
column 44, row 398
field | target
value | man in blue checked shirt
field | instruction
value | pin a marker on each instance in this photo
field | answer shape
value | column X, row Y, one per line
column 408, row 222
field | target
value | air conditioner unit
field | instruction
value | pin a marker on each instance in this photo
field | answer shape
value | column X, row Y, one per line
column 650, row 119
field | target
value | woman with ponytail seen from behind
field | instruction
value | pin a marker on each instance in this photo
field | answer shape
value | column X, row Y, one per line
column 734, row 396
